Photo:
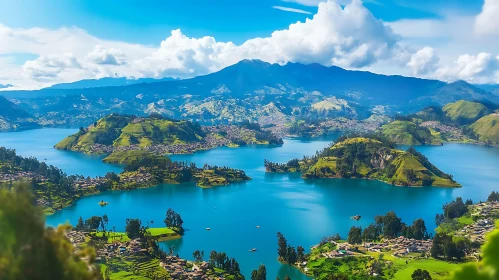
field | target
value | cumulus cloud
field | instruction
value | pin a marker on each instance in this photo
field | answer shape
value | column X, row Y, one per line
column 49, row 67
column 481, row 68
column 342, row 33
column 423, row 61
column 111, row 56
column 486, row 22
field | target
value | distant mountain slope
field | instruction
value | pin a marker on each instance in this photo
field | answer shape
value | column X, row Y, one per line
column 238, row 92
column 487, row 129
column 11, row 111
column 13, row 117
column 464, row 111
column 106, row 82
column 409, row 133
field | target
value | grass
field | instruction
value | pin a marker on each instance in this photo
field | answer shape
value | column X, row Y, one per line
column 163, row 233
column 487, row 128
column 465, row 110
column 127, row 157
column 438, row 269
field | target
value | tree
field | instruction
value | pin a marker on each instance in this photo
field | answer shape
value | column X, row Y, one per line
column 439, row 218
column 134, row 228
column 355, row 235
column 493, row 197
column 174, row 221
column 198, row 255
column 93, row 223
column 371, row 233
column 260, row 273
column 455, row 209
column 419, row 274
column 29, row 250
column 390, row 224
column 300, row 253
column 418, row 230
column 282, row 246
column 80, row 225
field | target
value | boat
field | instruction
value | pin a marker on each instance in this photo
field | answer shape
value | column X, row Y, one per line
column 257, row 226
column 356, row 217
column 252, row 250
column 208, row 228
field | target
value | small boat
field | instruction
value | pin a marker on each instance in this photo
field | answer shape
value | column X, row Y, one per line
column 257, row 226
column 252, row 250
column 356, row 217
column 208, row 228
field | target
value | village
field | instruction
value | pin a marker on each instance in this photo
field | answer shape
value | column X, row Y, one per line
column 174, row 266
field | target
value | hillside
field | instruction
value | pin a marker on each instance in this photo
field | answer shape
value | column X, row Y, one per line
column 14, row 117
column 487, row 128
column 369, row 158
column 159, row 136
column 409, row 133
column 106, row 82
column 239, row 92
column 465, row 112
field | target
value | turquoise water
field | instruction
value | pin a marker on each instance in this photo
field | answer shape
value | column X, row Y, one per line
column 304, row 211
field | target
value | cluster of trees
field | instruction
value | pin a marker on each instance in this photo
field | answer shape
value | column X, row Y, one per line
column 446, row 246
column 92, row 224
column 293, row 164
column 174, row 221
column 493, row 197
column 420, row 274
column 288, row 253
column 222, row 261
column 198, row 255
column 454, row 209
column 260, row 273
column 388, row 226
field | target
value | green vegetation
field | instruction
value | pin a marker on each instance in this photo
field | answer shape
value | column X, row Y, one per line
column 371, row 157
column 29, row 250
column 487, row 129
column 465, row 112
column 409, row 133
column 128, row 156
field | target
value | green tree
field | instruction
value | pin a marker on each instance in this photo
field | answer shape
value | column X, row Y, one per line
column 93, row 223
column 300, row 253
column 174, row 221
column 80, row 225
column 282, row 246
column 418, row 229
column 29, row 250
column 355, row 235
column 198, row 255
column 260, row 273
column 134, row 228
column 419, row 274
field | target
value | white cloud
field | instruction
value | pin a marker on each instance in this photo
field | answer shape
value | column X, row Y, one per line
column 342, row 33
column 48, row 67
column 486, row 22
column 423, row 61
column 111, row 56
column 293, row 10
column 481, row 68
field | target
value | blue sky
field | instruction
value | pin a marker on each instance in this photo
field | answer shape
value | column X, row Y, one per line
column 227, row 20
column 46, row 42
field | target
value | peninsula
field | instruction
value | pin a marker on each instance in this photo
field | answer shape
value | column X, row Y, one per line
column 371, row 157
column 160, row 136
column 54, row 189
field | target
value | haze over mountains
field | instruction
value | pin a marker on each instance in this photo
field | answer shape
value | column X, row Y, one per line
column 250, row 89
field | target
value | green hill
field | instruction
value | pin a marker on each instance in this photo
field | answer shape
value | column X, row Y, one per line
column 369, row 158
column 465, row 112
column 122, row 130
column 409, row 133
column 487, row 128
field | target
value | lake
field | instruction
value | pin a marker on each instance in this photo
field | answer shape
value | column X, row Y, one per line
column 303, row 210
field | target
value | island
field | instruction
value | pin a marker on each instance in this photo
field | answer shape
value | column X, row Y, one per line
column 369, row 157
column 54, row 189
column 159, row 135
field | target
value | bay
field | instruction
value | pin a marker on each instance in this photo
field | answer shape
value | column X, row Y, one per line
column 303, row 210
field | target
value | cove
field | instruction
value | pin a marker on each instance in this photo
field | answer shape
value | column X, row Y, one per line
column 303, row 210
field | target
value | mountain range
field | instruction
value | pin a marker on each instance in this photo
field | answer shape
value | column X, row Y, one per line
column 251, row 89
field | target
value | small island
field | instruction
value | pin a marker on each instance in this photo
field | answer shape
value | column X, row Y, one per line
column 160, row 136
column 370, row 157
